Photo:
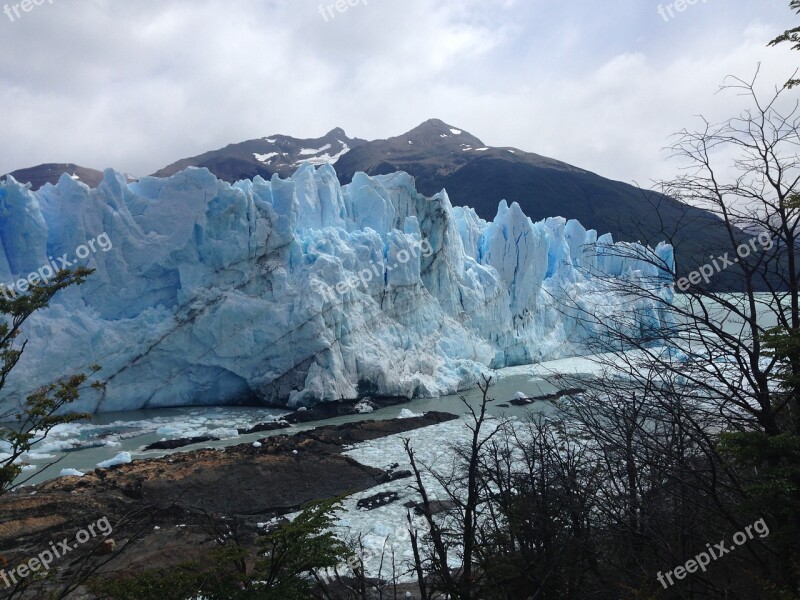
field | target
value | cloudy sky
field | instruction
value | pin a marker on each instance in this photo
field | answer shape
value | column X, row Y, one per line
column 136, row 85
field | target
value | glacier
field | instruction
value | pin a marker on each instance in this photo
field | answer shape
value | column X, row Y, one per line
column 295, row 291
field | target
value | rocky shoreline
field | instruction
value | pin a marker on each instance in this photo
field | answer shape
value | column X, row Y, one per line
column 166, row 506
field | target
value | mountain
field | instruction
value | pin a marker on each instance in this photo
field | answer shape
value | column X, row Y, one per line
column 51, row 172
column 440, row 156
column 267, row 156
column 436, row 150
column 295, row 291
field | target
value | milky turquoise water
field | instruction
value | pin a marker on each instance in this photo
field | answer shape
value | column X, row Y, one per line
column 110, row 434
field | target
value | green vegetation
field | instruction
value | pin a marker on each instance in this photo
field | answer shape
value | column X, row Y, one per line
column 43, row 409
column 283, row 569
column 791, row 36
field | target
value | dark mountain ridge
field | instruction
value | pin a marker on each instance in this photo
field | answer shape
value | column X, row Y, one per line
column 266, row 156
column 441, row 156
column 51, row 172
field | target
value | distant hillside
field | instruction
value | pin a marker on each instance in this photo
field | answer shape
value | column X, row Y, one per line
column 51, row 172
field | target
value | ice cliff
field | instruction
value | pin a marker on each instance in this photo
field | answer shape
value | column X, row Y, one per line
column 293, row 291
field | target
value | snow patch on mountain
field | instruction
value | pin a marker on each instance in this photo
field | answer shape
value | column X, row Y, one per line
column 322, row 159
column 311, row 151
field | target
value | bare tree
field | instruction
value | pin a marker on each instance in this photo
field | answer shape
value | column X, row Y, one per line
column 454, row 537
column 700, row 396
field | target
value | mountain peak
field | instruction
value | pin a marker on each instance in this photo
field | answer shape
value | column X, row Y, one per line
column 437, row 123
column 336, row 132
column 436, row 131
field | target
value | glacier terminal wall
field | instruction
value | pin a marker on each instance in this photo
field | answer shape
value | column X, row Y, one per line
column 295, row 291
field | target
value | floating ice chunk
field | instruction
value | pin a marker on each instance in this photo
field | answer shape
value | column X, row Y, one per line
column 170, row 430
column 408, row 414
column 123, row 458
column 37, row 456
column 70, row 473
column 224, row 433
column 363, row 408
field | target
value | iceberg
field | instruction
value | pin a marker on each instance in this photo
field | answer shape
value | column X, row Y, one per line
column 295, row 291
column 71, row 473
column 123, row 458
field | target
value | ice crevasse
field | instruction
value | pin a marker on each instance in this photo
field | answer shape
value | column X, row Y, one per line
column 293, row 291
